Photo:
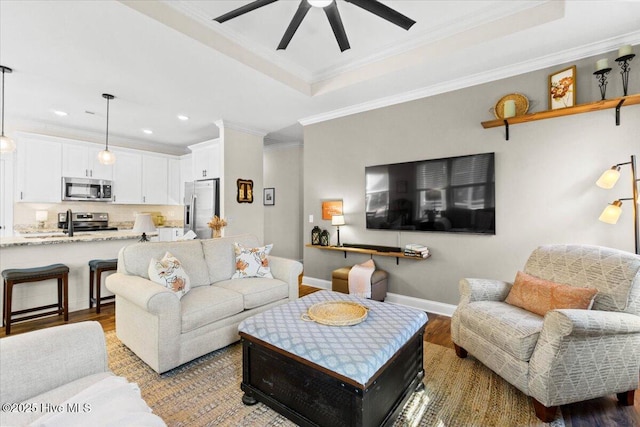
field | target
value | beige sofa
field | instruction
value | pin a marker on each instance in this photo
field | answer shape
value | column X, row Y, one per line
column 165, row 331
column 59, row 377
column 569, row 355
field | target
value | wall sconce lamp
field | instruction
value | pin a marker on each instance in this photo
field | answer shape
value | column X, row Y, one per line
column 338, row 220
column 611, row 213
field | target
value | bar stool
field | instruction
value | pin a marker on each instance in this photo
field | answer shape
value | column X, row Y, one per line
column 96, row 268
column 15, row 276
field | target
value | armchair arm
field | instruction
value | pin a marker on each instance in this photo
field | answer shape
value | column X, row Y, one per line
column 39, row 361
column 144, row 293
column 583, row 354
column 483, row 290
column 288, row 271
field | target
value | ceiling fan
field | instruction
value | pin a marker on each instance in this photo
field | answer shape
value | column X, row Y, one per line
column 331, row 9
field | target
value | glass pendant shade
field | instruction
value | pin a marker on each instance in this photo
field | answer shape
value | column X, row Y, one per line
column 106, row 157
column 611, row 213
column 609, row 178
column 319, row 3
column 6, row 144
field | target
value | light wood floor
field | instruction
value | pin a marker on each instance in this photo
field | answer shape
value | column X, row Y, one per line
column 603, row 412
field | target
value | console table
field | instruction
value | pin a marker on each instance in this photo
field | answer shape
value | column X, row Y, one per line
column 396, row 255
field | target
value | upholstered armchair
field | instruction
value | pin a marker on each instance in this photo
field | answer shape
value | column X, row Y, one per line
column 569, row 355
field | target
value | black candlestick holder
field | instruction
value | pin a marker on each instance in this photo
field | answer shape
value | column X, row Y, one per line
column 623, row 62
column 601, row 75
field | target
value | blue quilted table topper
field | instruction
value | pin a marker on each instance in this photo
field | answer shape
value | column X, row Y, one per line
column 356, row 352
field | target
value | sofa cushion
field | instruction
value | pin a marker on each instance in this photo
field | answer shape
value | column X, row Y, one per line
column 207, row 304
column 257, row 291
column 252, row 261
column 513, row 329
column 134, row 259
column 539, row 295
column 168, row 272
column 220, row 257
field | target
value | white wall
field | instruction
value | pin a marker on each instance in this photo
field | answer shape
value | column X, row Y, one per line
column 545, row 175
column 283, row 221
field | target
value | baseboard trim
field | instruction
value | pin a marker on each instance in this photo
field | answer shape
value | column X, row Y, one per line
column 419, row 303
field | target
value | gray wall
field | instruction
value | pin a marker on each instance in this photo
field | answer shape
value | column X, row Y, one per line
column 283, row 221
column 545, row 178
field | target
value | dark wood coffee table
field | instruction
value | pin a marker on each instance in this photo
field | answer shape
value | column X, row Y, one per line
column 319, row 375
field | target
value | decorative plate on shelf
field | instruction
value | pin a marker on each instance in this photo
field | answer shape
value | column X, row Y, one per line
column 336, row 313
column 521, row 101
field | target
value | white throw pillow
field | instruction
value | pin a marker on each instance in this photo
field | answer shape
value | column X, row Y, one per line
column 169, row 273
column 252, row 262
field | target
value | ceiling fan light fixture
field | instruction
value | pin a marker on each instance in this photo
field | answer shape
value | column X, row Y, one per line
column 7, row 145
column 320, row 3
column 106, row 157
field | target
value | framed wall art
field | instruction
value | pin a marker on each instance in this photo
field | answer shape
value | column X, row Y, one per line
column 269, row 196
column 331, row 208
column 562, row 88
column 245, row 191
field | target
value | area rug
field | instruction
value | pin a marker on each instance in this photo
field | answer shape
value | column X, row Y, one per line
column 206, row 392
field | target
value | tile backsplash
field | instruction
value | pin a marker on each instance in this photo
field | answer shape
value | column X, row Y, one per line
column 121, row 216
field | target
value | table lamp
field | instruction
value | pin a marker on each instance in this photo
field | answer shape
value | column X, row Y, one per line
column 144, row 224
column 338, row 220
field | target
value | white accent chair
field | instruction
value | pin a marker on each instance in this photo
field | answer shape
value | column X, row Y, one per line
column 568, row 355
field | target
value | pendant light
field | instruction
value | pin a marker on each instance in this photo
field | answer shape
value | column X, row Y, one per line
column 6, row 144
column 106, row 157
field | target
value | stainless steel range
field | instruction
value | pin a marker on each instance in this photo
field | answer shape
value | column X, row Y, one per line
column 86, row 221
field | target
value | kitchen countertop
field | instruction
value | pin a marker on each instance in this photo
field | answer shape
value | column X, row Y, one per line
column 53, row 238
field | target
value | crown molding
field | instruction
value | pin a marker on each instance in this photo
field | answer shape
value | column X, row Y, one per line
column 599, row 48
column 274, row 145
column 240, row 127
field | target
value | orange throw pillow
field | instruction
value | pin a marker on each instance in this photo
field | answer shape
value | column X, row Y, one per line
column 539, row 295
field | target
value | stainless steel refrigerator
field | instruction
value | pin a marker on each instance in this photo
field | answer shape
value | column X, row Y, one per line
column 201, row 203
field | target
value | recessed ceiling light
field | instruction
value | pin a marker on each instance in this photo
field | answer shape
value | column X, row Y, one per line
column 183, row 117
column 60, row 113
column 147, row 131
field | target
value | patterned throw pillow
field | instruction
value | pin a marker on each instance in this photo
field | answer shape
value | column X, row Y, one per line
column 539, row 295
column 252, row 262
column 168, row 272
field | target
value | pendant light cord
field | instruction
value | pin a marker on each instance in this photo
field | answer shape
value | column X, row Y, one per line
column 2, row 101
column 107, row 137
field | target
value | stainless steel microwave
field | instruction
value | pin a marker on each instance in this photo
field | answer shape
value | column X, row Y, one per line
column 96, row 190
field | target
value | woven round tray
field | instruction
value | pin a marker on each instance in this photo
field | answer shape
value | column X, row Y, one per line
column 522, row 105
column 336, row 313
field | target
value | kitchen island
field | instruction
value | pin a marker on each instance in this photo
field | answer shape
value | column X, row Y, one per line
column 40, row 249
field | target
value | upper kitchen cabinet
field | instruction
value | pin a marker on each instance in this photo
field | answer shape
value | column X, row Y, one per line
column 81, row 161
column 127, row 178
column 39, row 171
column 206, row 159
column 155, row 170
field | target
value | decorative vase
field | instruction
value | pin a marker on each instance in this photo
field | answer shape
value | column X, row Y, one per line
column 216, row 232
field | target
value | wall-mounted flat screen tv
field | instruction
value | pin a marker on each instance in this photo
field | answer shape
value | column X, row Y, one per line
column 454, row 194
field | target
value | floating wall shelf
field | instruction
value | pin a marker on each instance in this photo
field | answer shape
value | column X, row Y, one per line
column 396, row 255
column 578, row 109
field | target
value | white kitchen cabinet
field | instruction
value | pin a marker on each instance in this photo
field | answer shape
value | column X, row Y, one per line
column 127, row 178
column 39, row 170
column 169, row 234
column 154, row 180
column 174, row 182
column 81, row 161
column 206, row 159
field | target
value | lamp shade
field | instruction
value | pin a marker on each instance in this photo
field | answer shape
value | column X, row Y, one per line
column 611, row 213
column 319, row 3
column 337, row 220
column 6, row 144
column 106, row 157
column 609, row 178
column 144, row 224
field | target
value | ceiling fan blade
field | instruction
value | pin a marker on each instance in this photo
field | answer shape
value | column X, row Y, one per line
column 384, row 12
column 294, row 24
column 243, row 9
column 336, row 25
